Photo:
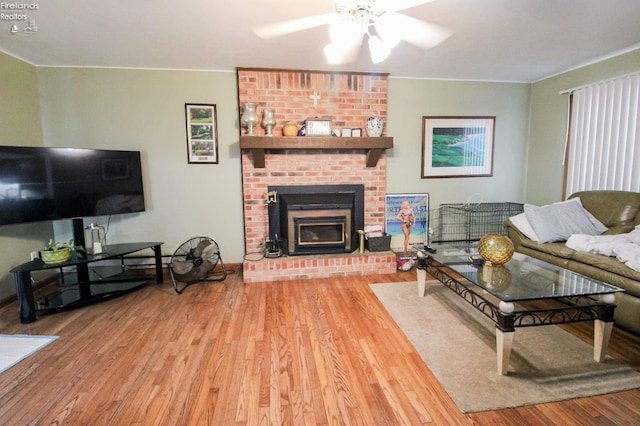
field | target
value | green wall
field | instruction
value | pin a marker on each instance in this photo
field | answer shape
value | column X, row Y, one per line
column 411, row 99
column 20, row 124
column 549, row 115
column 144, row 110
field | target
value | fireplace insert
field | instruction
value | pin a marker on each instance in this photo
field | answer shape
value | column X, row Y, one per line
column 316, row 219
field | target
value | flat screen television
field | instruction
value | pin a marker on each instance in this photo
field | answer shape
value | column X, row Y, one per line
column 41, row 183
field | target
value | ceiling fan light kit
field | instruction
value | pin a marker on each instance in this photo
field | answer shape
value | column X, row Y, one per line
column 353, row 24
column 353, row 19
column 378, row 49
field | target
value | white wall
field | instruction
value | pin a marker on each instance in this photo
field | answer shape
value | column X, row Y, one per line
column 410, row 100
column 144, row 110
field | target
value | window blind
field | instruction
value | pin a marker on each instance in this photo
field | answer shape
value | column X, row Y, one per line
column 604, row 138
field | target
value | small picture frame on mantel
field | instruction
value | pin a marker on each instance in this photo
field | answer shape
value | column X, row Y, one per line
column 318, row 128
column 351, row 133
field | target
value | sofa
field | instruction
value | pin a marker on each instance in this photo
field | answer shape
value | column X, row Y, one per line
column 619, row 212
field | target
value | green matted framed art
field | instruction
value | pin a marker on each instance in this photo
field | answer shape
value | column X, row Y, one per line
column 457, row 146
column 202, row 133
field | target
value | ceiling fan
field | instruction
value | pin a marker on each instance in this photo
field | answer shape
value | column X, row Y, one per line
column 353, row 19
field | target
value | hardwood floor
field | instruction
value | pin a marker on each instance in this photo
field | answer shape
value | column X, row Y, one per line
column 315, row 352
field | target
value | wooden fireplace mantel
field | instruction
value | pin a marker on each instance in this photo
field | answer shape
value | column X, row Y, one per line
column 259, row 144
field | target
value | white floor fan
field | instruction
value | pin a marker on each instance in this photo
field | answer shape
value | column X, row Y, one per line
column 353, row 19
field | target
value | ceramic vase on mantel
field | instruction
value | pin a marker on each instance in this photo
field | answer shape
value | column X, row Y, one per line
column 374, row 126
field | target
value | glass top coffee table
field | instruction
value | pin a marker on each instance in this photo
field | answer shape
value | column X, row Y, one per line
column 525, row 292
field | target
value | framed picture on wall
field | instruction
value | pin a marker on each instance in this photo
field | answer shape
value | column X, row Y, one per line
column 457, row 146
column 202, row 133
column 406, row 220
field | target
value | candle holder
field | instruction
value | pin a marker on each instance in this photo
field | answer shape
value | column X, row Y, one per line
column 249, row 117
column 268, row 121
column 96, row 238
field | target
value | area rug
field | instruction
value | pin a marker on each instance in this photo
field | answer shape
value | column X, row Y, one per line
column 15, row 348
column 458, row 344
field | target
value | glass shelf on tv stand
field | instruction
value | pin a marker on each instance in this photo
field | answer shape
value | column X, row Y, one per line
column 105, row 282
column 85, row 290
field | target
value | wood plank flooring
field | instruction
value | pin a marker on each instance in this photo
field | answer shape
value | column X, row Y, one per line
column 313, row 352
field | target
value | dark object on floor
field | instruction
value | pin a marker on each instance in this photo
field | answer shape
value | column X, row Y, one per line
column 430, row 249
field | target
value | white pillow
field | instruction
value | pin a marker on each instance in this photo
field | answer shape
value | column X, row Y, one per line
column 522, row 224
column 558, row 221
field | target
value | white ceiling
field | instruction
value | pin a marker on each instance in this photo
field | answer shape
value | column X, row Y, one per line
column 492, row 40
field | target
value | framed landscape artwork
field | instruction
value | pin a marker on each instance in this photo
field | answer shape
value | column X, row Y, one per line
column 457, row 146
column 419, row 204
column 202, row 133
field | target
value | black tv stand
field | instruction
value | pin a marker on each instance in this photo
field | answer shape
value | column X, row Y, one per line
column 92, row 282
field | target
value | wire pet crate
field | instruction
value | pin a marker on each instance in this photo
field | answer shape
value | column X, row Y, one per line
column 469, row 222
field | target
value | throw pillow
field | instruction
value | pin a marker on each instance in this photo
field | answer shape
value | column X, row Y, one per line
column 600, row 227
column 522, row 224
column 557, row 222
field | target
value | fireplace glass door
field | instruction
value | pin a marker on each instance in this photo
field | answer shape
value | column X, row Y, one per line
column 319, row 231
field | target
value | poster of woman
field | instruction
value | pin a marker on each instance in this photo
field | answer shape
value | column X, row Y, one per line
column 406, row 219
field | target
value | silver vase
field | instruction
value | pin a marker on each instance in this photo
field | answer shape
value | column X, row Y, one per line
column 249, row 117
column 268, row 121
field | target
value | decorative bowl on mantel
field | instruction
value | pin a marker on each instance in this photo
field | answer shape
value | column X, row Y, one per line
column 290, row 129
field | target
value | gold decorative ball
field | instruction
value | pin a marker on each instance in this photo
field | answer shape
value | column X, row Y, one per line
column 496, row 249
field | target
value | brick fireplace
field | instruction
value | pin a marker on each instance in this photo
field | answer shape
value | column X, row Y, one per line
column 347, row 99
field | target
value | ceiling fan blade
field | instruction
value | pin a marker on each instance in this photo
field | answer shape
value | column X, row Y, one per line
column 420, row 33
column 396, row 5
column 291, row 26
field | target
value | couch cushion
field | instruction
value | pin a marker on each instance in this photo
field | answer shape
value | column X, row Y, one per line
column 610, row 264
column 554, row 249
column 612, row 208
column 557, row 222
column 616, row 230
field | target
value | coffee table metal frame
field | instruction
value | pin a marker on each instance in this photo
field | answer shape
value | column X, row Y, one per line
column 507, row 318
